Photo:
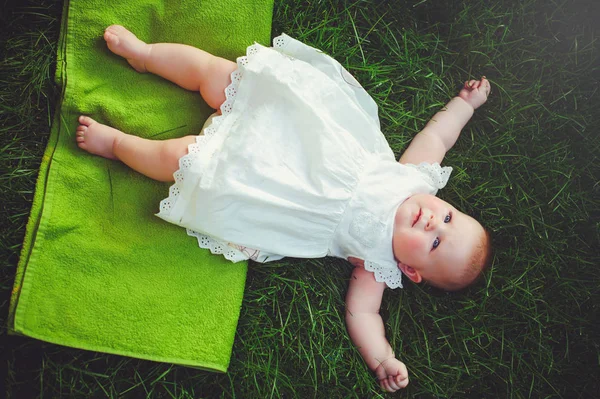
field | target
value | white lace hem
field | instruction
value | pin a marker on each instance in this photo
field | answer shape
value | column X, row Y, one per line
column 435, row 175
column 186, row 161
column 392, row 277
column 218, row 247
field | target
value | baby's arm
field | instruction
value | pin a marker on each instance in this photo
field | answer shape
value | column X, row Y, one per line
column 366, row 330
column 442, row 131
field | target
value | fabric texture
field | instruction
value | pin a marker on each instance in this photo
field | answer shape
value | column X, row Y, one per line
column 295, row 165
column 98, row 270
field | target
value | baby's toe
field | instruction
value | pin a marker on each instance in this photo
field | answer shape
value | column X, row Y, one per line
column 113, row 33
column 86, row 120
column 115, row 29
column 80, row 133
column 111, row 38
column 80, row 140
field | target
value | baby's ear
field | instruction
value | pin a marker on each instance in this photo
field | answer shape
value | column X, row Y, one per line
column 409, row 272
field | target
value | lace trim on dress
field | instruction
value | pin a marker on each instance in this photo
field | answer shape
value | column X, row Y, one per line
column 392, row 277
column 186, row 161
column 436, row 175
column 218, row 247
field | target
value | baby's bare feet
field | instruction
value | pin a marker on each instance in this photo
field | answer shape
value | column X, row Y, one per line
column 124, row 43
column 96, row 138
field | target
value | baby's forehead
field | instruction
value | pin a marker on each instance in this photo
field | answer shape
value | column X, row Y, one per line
column 468, row 222
column 465, row 238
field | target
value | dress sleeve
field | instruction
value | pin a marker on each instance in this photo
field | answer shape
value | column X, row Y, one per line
column 392, row 277
column 332, row 68
column 433, row 174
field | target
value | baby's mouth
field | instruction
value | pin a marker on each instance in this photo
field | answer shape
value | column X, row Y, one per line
column 416, row 219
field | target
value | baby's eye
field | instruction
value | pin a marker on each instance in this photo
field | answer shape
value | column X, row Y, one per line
column 436, row 242
column 448, row 218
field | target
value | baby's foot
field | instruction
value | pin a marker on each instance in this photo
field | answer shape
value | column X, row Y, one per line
column 124, row 43
column 96, row 138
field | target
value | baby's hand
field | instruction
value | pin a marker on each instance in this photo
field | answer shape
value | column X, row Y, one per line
column 475, row 92
column 392, row 375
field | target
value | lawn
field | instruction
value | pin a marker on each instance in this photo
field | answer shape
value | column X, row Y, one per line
column 526, row 166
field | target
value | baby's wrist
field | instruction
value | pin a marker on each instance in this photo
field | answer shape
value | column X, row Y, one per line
column 462, row 100
column 380, row 361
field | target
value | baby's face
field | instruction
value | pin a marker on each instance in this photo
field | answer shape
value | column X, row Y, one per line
column 433, row 240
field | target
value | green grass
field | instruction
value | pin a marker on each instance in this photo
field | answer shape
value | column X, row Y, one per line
column 526, row 166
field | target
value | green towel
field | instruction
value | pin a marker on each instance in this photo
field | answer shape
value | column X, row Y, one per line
column 98, row 270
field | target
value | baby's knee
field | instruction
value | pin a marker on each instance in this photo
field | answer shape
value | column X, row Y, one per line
column 174, row 149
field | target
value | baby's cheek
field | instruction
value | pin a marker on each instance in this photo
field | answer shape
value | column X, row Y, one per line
column 415, row 243
column 409, row 245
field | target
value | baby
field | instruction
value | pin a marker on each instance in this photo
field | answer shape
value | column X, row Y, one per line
column 294, row 164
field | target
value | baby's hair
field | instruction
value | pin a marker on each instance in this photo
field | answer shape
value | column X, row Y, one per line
column 480, row 260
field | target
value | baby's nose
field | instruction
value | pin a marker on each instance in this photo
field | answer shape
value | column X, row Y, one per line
column 431, row 223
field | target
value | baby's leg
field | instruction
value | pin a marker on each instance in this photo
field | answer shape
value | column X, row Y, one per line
column 187, row 66
column 157, row 159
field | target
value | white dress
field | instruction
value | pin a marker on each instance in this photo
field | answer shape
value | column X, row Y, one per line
column 295, row 166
